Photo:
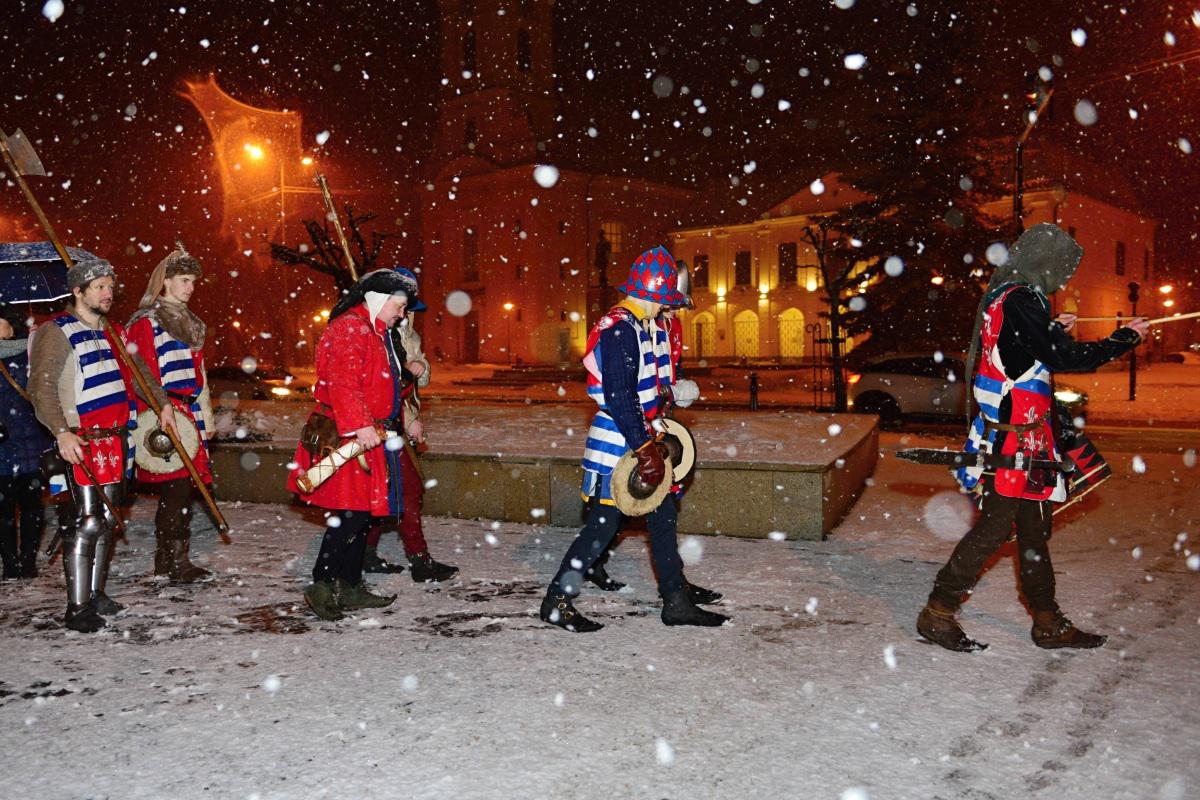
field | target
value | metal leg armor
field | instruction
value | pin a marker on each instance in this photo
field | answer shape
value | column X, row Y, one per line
column 105, row 540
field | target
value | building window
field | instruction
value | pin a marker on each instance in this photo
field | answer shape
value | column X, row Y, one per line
column 470, row 255
column 524, row 51
column 787, row 263
column 1120, row 261
column 614, row 232
column 700, row 271
column 469, row 51
column 741, row 268
column 1145, row 265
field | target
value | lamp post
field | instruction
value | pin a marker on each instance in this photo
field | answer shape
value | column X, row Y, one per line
column 1133, row 298
column 508, row 309
column 1040, row 95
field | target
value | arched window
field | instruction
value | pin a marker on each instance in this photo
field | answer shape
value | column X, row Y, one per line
column 705, row 343
column 791, row 333
column 745, row 335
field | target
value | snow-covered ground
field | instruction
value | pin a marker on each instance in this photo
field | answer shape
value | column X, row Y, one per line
column 819, row 687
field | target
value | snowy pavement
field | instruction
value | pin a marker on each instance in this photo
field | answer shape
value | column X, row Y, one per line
column 818, row 687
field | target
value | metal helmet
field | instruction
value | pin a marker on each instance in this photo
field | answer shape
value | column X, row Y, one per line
column 683, row 284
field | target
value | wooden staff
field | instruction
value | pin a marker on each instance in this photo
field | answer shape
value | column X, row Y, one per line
column 152, row 401
column 1155, row 321
column 337, row 225
column 123, row 355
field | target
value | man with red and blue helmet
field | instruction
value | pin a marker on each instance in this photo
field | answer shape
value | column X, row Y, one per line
column 627, row 361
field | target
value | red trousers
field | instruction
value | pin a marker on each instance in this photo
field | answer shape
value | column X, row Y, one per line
column 410, row 522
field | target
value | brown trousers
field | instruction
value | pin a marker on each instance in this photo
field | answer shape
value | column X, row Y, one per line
column 999, row 516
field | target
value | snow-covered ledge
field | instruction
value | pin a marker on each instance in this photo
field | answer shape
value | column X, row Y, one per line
column 757, row 473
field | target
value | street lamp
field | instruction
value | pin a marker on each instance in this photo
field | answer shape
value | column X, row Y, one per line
column 508, row 308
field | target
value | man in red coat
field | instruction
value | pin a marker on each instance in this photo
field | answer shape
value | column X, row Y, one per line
column 358, row 393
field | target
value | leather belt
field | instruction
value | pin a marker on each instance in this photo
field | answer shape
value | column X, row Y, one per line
column 1024, row 462
column 1021, row 428
column 91, row 434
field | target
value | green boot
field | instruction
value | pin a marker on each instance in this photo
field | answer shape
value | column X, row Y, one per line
column 323, row 601
column 352, row 597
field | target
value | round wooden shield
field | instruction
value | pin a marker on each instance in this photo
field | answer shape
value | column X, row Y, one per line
column 153, row 450
column 682, row 448
column 630, row 494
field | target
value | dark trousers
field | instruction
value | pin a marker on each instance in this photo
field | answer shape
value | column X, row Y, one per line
column 603, row 522
column 21, row 517
column 342, row 547
column 995, row 526
column 410, row 522
column 174, row 516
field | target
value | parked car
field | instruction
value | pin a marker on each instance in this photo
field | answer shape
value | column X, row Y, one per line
column 260, row 384
column 927, row 385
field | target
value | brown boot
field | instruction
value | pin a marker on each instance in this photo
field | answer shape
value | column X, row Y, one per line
column 1052, row 630
column 937, row 624
column 182, row 568
column 162, row 554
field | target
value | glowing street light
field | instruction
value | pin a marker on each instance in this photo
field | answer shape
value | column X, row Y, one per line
column 307, row 161
column 255, row 151
column 1166, row 288
column 937, row 280
column 508, row 307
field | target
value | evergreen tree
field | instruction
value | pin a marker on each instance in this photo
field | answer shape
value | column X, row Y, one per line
column 927, row 163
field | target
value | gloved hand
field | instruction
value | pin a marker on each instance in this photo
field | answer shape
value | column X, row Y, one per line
column 651, row 468
column 686, row 392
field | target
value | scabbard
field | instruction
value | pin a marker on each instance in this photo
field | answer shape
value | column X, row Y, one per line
column 961, row 458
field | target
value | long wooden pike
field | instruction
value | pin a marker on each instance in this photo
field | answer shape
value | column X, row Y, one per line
column 122, row 353
column 337, row 224
column 1155, row 321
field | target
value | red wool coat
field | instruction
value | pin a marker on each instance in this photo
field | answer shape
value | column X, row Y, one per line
column 355, row 380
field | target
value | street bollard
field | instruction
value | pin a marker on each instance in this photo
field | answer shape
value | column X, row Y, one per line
column 754, row 391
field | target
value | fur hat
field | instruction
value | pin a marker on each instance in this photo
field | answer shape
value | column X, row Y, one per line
column 178, row 262
column 88, row 270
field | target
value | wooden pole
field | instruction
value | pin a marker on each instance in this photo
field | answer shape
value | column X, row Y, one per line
column 337, row 225
column 1155, row 321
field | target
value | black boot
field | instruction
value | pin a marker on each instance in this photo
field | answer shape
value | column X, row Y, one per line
column 1052, row 630
column 937, row 624
column 105, row 605
column 701, row 596
column 557, row 610
column 678, row 609
column 83, row 618
column 373, row 562
column 598, row 576
column 425, row 570
column 182, row 569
